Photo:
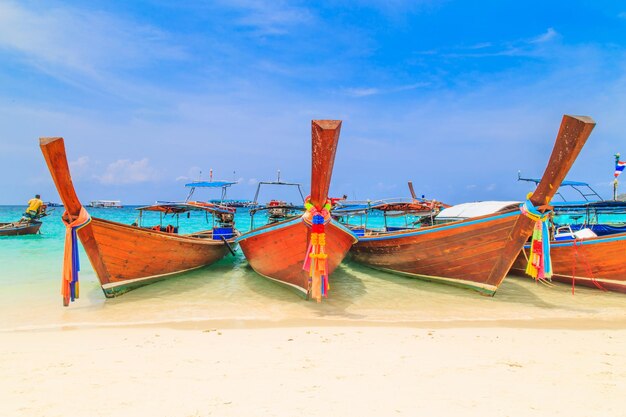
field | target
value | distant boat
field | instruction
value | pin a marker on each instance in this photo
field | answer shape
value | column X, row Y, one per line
column 125, row 257
column 478, row 252
column 224, row 185
column 51, row 204
column 234, row 203
column 20, row 228
column 105, row 204
column 422, row 210
column 279, row 250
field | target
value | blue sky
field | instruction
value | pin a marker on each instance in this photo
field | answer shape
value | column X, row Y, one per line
column 456, row 96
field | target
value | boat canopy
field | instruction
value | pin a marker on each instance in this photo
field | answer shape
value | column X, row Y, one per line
column 177, row 208
column 392, row 205
column 476, row 209
column 583, row 188
column 564, row 183
column 210, row 184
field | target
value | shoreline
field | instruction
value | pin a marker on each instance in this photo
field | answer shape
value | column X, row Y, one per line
column 573, row 323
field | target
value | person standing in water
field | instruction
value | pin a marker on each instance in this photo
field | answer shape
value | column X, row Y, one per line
column 35, row 209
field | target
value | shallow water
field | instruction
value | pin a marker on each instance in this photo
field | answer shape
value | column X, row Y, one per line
column 30, row 270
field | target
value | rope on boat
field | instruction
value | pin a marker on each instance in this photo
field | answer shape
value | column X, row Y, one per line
column 71, row 262
column 594, row 281
column 539, row 263
column 316, row 258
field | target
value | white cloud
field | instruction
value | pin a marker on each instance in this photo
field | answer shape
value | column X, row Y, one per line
column 70, row 43
column 81, row 163
column 370, row 91
column 362, row 92
column 253, row 181
column 125, row 171
column 193, row 174
column 270, row 17
column 547, row 36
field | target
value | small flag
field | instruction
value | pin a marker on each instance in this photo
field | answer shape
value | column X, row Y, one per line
column 619, row 167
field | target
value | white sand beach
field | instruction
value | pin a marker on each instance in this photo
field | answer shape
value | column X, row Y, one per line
column 197, row 370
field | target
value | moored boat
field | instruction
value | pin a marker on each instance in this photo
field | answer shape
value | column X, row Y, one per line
column 303, row 251
column 123, row 256
column 596, row 261
column 20, row 228
column 106, row 204
column 475, row 253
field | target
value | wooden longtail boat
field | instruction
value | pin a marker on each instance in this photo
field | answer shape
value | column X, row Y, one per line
column 476, row 253
column 19, row 228
column 125, row 257
column 277, row 251
column 596, row 262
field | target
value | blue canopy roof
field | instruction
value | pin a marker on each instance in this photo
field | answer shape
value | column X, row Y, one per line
column 564, row 183
column 210, row 184
column 173, row 207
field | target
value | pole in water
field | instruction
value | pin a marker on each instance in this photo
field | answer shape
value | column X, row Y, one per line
column 617, row 155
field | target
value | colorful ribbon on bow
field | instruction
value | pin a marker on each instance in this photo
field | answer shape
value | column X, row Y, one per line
column 316, row 259
column 539, row 262
column 71, row 263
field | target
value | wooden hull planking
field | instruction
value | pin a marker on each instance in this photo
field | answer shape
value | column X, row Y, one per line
column 475, row 253
column 598, row 260
column 126, row 257
column 460, row 253
column 277, row 251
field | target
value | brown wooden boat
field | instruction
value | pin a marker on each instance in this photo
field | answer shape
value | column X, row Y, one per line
column 476, row 253
column 20, row 228
column 596, row 262
column 278, row 250
column 126, row 257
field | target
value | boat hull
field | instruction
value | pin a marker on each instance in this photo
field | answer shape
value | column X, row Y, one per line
column 31, row 228
column 590, row 262
column 278, row 251
column 126, row 257
column 461, row 253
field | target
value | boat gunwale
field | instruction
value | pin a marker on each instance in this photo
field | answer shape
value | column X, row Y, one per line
column 432, row 229
column 177, row 237
column 288, row 223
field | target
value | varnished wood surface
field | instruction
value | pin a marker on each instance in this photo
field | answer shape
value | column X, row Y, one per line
column 464, row 251
column 130, row 252
column 602, row 259
column 324, row 138
column 120, row 253
column 278, row 252
column 477, row 252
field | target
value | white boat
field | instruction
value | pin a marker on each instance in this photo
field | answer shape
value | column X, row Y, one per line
column 106, row 204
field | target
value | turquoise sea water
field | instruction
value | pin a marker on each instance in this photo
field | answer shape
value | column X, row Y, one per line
column 30, row 268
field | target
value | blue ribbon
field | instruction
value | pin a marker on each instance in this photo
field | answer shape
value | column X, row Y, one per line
column 545, row 231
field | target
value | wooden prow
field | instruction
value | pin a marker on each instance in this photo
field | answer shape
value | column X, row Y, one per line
column 572, row 136
column 53, row 150
column 324, row 135
column 412, row 190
